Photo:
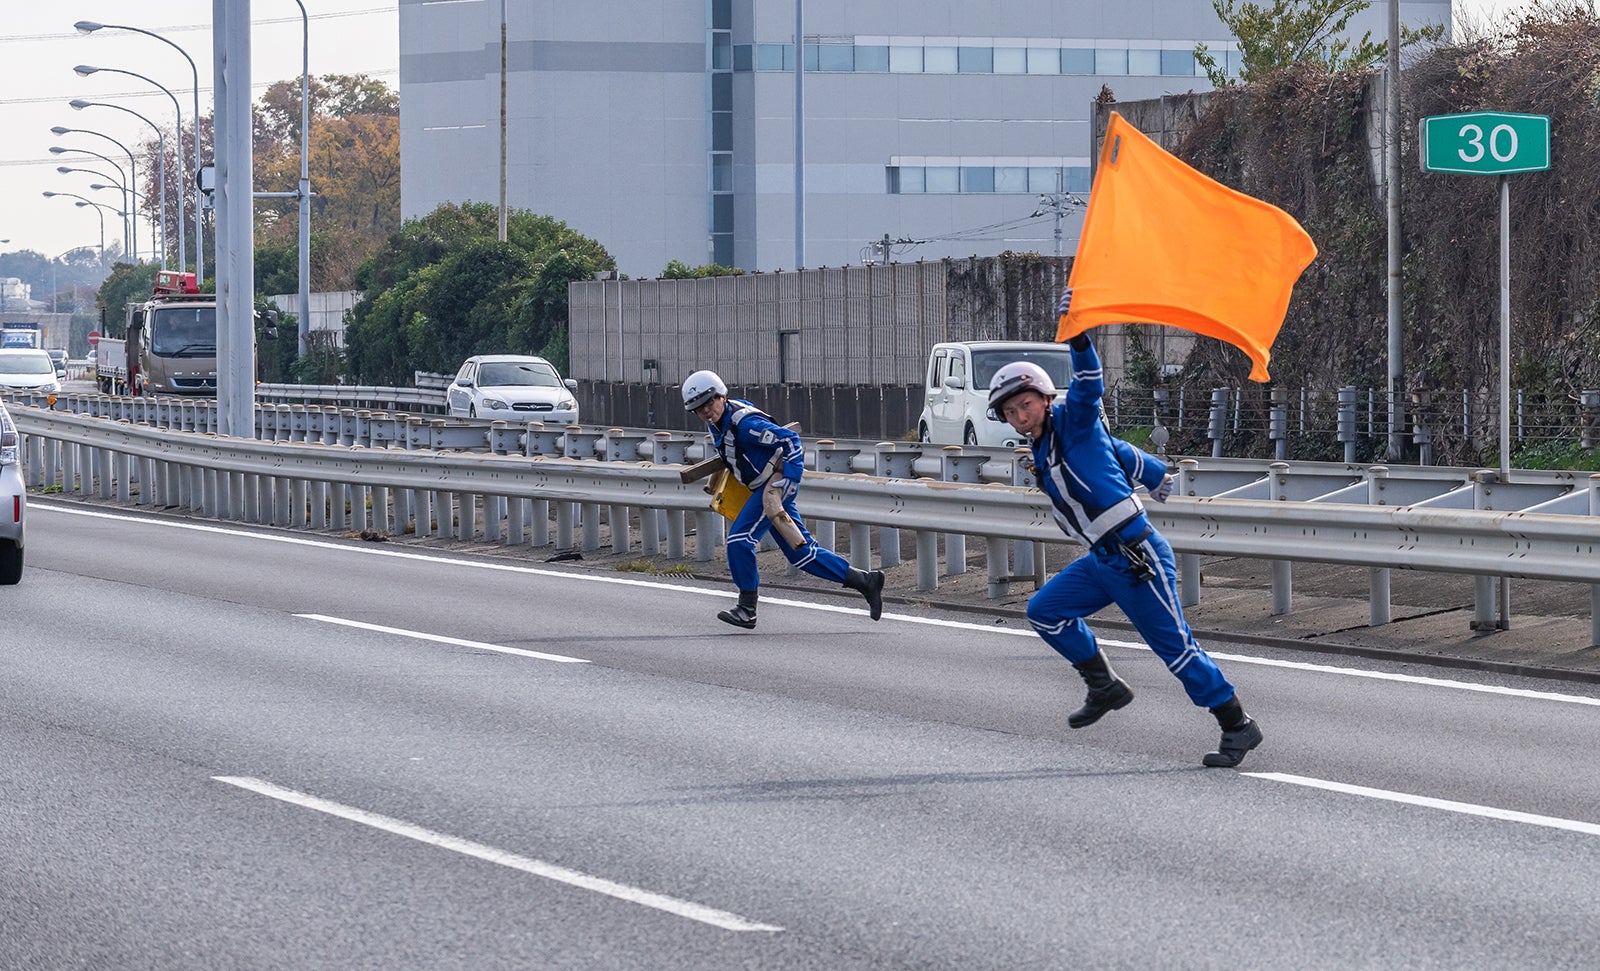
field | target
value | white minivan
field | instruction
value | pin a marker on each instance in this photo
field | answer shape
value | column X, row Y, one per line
column 956, row 389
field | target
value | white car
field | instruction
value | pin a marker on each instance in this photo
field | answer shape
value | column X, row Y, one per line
column 956, row 389
column 28, row 369
column 512, row 387
column 13, row 500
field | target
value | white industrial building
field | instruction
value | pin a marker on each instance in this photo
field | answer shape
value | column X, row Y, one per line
column 666, row 129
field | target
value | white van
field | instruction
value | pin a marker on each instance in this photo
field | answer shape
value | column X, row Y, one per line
column 956, row 389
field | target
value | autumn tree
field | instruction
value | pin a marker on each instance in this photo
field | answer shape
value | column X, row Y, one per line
column 354, row 168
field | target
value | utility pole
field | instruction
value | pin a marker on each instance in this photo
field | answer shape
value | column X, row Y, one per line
column 885, row 244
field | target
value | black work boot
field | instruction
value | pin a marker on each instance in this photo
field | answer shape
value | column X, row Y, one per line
column 869, row 585
column 1240, row 734
column 1107, row 692
column 744, row 613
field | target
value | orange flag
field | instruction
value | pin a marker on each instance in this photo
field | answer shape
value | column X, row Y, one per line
column 1164, row 244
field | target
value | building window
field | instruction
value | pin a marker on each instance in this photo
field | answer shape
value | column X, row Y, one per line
column 836, row 57
column 977, row 178
column 1010, row 178
column 1044, row 179
column 1044, row 60
column 1178, row 63
column 975, row 60
column 1144, row 62
column 872, row 59
column 721, row 172
column 942, row 178
column 939, row 60
column 743, row 57
column 774, row 57
column 1011, row 60
column 1077, row 60
column 905, row 60
column 721, row 50
column 1109, row 60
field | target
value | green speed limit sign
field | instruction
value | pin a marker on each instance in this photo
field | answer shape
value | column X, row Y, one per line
column 1486, row 143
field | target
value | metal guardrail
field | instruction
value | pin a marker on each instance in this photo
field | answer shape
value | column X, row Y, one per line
column 413, row 474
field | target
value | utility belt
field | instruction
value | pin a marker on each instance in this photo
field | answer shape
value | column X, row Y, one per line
column 1131, row 548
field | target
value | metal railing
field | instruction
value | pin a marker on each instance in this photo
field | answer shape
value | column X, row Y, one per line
column 351, row 469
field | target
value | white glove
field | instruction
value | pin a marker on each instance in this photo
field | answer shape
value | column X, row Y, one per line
column 1163, row 491
column 1065, row 302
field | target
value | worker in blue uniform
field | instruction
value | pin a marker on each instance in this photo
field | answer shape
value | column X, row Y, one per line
column 769, row 460
column 1089, row 476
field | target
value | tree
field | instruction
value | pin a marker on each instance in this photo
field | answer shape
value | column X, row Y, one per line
column 678, row 270
column 444, row 287
column 354, row 162
column 1298, row 32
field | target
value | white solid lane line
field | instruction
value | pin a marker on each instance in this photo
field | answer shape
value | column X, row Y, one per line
column 1470, row 809
column 990, row 628
column 539, row 868
column 441, row 639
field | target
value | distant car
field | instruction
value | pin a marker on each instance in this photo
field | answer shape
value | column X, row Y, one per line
column 512, row 387
column 28, row 369
column 13, row 500
column 956, row 389
column 58, row 357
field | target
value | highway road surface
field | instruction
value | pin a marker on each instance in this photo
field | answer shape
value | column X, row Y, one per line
column 237, row 747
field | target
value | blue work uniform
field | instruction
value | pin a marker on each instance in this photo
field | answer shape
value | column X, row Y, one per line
column 756, row 449
column 1089, row 475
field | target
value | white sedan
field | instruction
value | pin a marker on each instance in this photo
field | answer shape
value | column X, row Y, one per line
column 513, row 387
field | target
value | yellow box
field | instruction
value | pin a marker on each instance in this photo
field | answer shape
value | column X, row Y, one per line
column 729, row 495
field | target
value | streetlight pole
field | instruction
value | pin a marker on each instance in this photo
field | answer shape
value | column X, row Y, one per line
column 84, row 70
column 305, row 178
column 78, row 104
column 133, row 172
column 87, row 202
column 89, row 27
column 68, row 169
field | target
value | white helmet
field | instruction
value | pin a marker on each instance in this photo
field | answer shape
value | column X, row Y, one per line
column 1015, row 378
column 701, row 387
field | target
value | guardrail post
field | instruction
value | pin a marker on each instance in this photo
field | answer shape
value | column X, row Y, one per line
column 1421, row 434
column 890, row 463
column 954, row 466
column 1282, row 570
column 1594, row 588
column 832, row 457
column 1484, row 606
column 1188, row 563
column 665, row 449
column 1027, row 556
column 121, row 466
column 1379, row 600
column 1278, row 423
column 623, row 446
column 710, row 531
column 1589, row 418
column 1347, row 421
column 1217, row 422
column 586, row 444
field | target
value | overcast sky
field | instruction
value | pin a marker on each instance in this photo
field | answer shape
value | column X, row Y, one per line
column 39, row 48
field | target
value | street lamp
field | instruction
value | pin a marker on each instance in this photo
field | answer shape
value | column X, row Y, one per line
column 89, row 27
column 98, row 207
column 69, row 169
column 78, row 104
column 84, row 70
column 133, row 170
column 305, row 177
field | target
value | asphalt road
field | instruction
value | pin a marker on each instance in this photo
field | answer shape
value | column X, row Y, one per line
column 230, row 747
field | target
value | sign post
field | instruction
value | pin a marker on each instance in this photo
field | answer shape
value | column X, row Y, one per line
column 1502, row 144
